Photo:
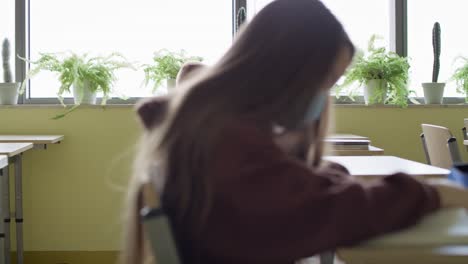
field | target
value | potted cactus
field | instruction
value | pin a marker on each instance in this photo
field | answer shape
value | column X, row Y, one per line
column 8, row 89
column 434, row 91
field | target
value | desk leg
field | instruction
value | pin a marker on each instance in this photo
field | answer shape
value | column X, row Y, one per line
column 19, row 207
column 6, row 214
column 2, row 224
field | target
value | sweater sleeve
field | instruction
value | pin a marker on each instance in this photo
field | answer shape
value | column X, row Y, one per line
column 270, row 207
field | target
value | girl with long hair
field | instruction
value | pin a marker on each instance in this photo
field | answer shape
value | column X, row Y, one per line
column 235, row 186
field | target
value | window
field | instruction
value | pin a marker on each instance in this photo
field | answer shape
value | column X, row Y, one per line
column 358, row 21
column 7, row 30
column 135, row 28
column 361, row 18
column 204, row 28
column 421, row 17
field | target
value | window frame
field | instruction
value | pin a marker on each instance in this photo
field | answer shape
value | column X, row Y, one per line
column 398, row 43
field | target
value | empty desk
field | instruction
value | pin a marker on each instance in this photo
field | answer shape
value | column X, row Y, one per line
column 371, row 167
column 3, row 173
column 14, row 153
column 40, row 142
column 372, row 151
column 347, row 136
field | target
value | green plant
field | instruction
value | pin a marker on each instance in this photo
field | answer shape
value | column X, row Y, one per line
column 461, row 77
column 379, row 64
column 436, row 43
column 96, row 72
column 7, row 76
column 166, row 66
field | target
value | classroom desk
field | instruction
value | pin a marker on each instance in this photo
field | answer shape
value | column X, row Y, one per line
column 14, row 153
column 439, row 238
column 371, row 167
column 372, row 151
column 3, row 173
column 39, row 142
column 347, row 136
column 465, row 142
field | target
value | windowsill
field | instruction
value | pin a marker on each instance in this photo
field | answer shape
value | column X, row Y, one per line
column 113, row 106
column 341, row 102
column 58, row 106
column 397, row 107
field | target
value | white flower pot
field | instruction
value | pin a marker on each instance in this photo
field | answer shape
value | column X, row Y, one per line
column 433, row 93
column 83, row 95
column 170, row 84
column 9, row 93
column 375, row 92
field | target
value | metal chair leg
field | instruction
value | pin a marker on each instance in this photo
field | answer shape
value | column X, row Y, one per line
column 327, row 257
column 454, row 152
column 423, row 140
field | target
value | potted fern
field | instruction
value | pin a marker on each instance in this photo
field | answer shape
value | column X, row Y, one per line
column 165, row 67
column 80, row 75
column 383, row 74
column 461, row 77
column 8, row 89
column 434, row 91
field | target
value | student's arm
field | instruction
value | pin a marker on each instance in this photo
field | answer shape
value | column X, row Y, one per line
column 271, row 207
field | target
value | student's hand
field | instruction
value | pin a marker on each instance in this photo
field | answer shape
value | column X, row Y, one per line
column 450, row 193
column 290, row 141
column 294, row 142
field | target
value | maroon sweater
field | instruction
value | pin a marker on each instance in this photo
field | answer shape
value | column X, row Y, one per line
column 270, row 208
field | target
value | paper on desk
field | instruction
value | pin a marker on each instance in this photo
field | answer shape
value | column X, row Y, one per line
column 448, row 226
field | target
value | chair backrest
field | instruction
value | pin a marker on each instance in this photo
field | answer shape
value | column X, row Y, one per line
column 440, row 146
column 465, row 135
column 158, row 229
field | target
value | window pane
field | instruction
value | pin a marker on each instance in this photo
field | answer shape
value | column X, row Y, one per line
column 421, row 17
column 7, row 30
column 361, row 18
column 135, row 28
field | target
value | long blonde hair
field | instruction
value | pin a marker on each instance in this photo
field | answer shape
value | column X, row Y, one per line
column 271, row 72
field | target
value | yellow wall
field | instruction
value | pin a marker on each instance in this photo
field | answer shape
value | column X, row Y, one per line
column 397, row 130
column 72, row 200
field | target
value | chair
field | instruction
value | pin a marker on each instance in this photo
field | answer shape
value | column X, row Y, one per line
column 465, row 135
column 159, row 232
column 440, row 146
column 158, row 229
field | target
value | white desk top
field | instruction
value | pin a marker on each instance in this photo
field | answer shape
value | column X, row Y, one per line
column 439, row 238
column 465, row 142
column 13, row 149
column 378, row 166
column 35, row 139
column 3, row 161
column 449, row 226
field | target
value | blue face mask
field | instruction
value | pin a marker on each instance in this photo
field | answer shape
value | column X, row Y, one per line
column 316, row 107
